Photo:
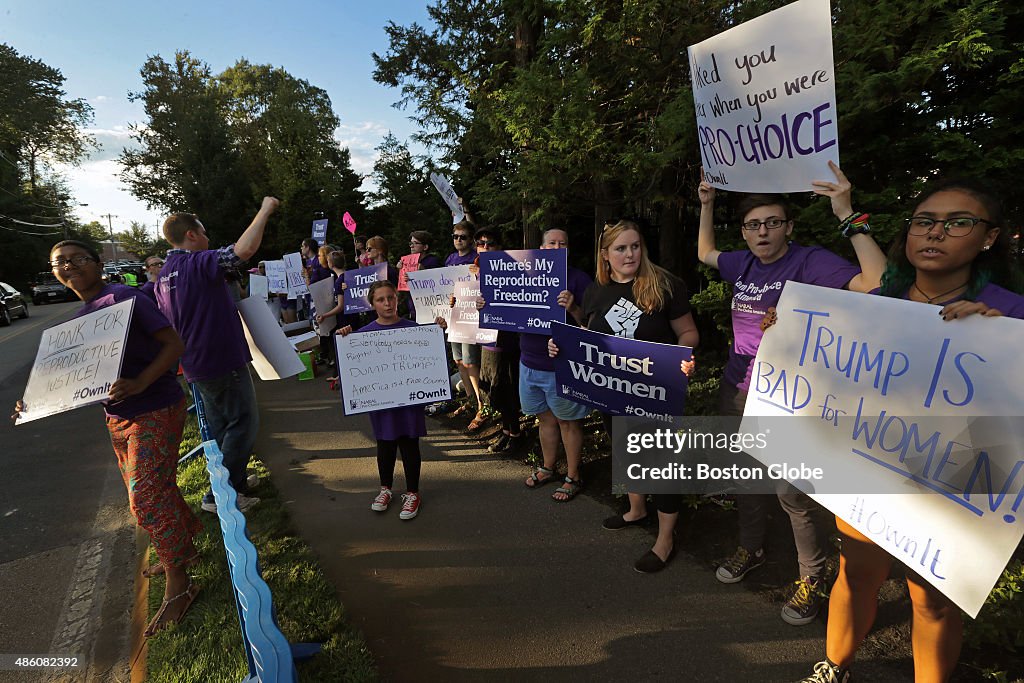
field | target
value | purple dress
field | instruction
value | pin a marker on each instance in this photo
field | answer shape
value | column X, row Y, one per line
column 394, row 423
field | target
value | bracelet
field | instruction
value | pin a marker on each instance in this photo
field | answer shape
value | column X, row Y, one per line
column 855, row 224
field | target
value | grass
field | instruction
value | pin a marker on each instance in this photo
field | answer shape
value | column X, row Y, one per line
column 207, row 645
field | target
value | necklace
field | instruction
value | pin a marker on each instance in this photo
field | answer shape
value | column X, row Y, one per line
column 932, row 299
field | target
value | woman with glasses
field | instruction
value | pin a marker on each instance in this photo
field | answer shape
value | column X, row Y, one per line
column 758, row 275
column 145, row 413
column 466, row 356
column 419, row 244
column 952, row 254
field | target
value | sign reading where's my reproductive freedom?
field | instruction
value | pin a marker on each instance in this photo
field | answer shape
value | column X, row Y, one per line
column 77, row 361
column 521, row 289
column 618, row 375
column 357, row 286
column 390, row 368
column 432, row 291
column 765, row 98
column 464, row 325
column 922, row 410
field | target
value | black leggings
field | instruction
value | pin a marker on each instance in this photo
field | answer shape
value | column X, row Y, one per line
column 387, row 454
column 668, row 503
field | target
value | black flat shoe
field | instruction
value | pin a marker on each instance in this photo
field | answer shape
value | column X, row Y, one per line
column 617, row 522
column 651, row 563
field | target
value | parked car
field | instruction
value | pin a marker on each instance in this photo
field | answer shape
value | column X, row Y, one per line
column 12, row 304
column 48, row 288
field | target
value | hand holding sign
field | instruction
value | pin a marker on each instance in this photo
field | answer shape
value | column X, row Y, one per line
column 349, row 222
column 839, row 192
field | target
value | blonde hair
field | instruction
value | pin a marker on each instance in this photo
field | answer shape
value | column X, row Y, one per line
column 651, row 281
column 378, row 243
column 323, row 255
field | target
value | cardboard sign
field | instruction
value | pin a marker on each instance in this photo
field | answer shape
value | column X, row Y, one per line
column 320, row 231
column 448, row 194
column 464, row 326
column 358, row 286
column 765, row 97
column 322, row 293
column 920, row 416
column 277, row 281
column 409, row 264
column 618, row 375
column 273, row 356
column 77, row 361
column 390, row 368
column 258, row 286
column 349, row 222
column 521, row 288
column 294, row 274
column 432, row 291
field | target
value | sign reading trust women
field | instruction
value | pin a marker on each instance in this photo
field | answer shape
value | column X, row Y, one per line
column 618, row 375
column 765, row 97
column 77, row 361
column 913, row 420
column 357, row 286
column 521, row 289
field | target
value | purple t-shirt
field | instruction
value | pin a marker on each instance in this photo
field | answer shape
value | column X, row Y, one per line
column 141, row 347
column 392, row 423
column 428, row 261
column 149, row 289
column 757, row 286
column 455, row 260
column 192, row 294
column 1003, row 300
column 533, row 348
column 316, row 271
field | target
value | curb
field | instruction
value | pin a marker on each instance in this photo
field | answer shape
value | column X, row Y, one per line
column 140, row 610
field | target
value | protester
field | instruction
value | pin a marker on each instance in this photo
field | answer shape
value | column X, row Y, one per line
column 342, row 320
column 362, row 258
column 394, row 428
column 419, row 243
column 952, row 253
column 466, row 356
column 758, row 275
column 315, row 271
column 323, row 257
column 635, row 299
column 194, row 297
column 559, row 419
column 145, row 413
column 377, row 251
column 153, row 266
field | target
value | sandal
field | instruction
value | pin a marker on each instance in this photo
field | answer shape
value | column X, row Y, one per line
column 479, row 421
column 570, row 489
column 535, row 481
column 459, row 412
column 189, row 596
column 157, row 569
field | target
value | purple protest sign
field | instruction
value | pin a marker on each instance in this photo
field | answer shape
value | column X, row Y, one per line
column 349, row 222
column 320, row 231
column 521, row 289
column 618, row 375
column 357, row 286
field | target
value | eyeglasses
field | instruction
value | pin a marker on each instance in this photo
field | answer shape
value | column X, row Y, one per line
column 459, row 237
column 770, row 223
column 154, row 263
column 485, row 243
column 961, row 226
column 78, row 260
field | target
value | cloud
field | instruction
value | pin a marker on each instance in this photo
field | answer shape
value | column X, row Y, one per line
column 96, row 183
column 361, row 139
column 99, row 98
column 111, row 140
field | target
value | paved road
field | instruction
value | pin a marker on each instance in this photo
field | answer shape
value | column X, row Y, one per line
column 67, row 541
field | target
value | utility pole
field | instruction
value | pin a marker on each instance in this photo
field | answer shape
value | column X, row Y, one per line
column 113, row 242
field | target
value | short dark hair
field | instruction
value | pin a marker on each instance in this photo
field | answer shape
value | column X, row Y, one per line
column 465, row 226
column 488, row 232
column 89, row 249
column 756, row 201
column 338, row 260
column 423, row 237
column 379, row 284
column 177, row 224
column 311, row 244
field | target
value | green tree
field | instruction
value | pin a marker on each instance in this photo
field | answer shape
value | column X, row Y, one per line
column 136, row 239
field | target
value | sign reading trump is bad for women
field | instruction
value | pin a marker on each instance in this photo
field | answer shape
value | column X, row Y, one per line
column 618, row 375
column 77, row 361
column 521, row 289
column 924, row 411
column 765, row 97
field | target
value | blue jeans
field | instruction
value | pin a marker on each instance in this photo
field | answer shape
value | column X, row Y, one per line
column 234, row 419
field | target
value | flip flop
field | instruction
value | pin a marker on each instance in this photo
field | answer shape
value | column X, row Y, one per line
column 189, row 596
column 154, row 570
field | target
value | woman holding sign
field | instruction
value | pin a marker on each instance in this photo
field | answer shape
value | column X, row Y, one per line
column 633, row 298
column 394, row 428
column 951, row 254
column 145, row 417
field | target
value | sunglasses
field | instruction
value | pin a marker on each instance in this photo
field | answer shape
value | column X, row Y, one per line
column 154, row 263
column 459, row 237
column 484, row 243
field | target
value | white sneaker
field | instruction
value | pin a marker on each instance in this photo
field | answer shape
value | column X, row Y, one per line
column 383, row 499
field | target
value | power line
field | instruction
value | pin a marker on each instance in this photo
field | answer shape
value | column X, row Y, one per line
column 34, row 225
column 26, row 232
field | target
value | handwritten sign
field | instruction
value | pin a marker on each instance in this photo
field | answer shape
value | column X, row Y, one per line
column 320, row 231
column 521, row 288
column 464, row 326
column 404, row 366
column 322, row 293
column 349, row 222
column 408, row 264
column 273, row 356
column 444, row 187
column 897, row 401
column 277, row 281
column 295, row 280
column 77, row 361
column 432, row 291
column 358, row 286
column 764, row 93
column 618, row 375
column 258, row 288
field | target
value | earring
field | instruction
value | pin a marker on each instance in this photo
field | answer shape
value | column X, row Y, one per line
column 986, row 247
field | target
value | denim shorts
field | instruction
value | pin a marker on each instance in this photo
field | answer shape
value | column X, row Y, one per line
column 538, row 392
column 468, row 354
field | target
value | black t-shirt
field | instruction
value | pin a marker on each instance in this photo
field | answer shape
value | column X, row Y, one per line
column 612, row 309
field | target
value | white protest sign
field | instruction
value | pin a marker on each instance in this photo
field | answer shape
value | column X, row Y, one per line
column 323, row 300
column 765, row 98
column 432, row 291
column 272, row 353
column 277, row 281
column 917, row 417
column 444, row 186
column 464, row 326
column 259, row 286
column 390, row 368
column 294, row 273
column 77, row 361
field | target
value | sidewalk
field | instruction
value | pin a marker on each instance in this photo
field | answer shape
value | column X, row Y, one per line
column 496, row 582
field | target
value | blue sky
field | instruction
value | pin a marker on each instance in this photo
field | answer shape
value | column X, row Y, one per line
column 99, row 46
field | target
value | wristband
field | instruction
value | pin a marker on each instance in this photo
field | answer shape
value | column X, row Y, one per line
column 855, row 224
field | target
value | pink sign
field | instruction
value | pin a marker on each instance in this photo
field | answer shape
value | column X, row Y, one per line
column 350, row 223
column 410, row 264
